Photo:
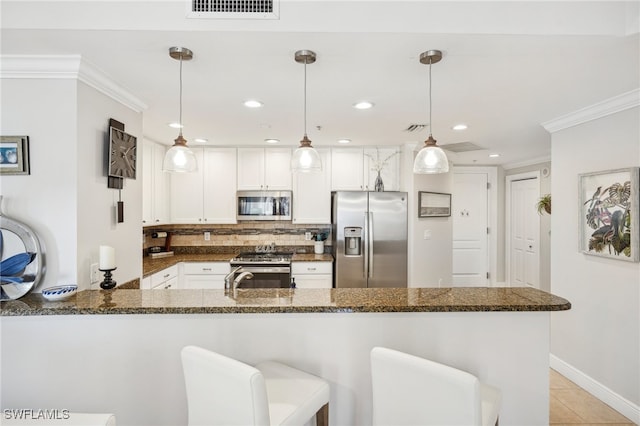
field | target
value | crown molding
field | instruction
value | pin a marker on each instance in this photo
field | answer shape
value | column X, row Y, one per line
column 601, row 109
column 67, row 67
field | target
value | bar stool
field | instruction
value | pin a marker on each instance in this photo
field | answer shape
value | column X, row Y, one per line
column 224, row 391
column 408, row 390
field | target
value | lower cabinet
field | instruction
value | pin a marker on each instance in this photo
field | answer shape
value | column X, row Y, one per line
column 204, row 275
column 312, row 274
column 163, row 280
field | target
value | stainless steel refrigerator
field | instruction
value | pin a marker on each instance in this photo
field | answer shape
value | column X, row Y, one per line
column 369, row 232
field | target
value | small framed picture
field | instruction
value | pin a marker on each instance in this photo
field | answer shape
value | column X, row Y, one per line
column 434, row 204
column 608, row 207
column 14, row 155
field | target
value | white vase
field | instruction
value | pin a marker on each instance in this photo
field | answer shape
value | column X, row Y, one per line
column 318, row 247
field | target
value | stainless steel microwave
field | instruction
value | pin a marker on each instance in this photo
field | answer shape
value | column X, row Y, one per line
column 264, row 205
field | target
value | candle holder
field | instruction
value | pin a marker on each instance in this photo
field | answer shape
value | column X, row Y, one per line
column 107, row 283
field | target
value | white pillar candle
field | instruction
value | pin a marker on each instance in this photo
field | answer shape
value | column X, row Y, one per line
column 107, row 258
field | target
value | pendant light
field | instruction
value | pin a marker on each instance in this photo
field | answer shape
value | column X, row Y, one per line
column 305, row 158
column 179, row 158
column 431, row 158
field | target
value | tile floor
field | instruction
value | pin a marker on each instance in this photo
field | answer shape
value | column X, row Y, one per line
column 569, row 404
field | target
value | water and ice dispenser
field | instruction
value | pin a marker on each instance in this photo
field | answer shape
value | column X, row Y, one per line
column 353, row 241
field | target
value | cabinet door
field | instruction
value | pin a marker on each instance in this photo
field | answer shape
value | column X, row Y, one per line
column 388, row 160
column 277, row 169
column 346, row 169
column 203, row 282
column 250, row 169
column 147, row 182
column 312, row 194
column 186, row 193
column 219, row 168
column 160, row 186
column 313, row 281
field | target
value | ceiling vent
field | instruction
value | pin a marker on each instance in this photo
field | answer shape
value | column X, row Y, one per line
column 416, row 127
column 462, row 147
column 234, row 9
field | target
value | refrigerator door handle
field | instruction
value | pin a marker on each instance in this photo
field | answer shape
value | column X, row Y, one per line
column 370, row 245
column 366, row 246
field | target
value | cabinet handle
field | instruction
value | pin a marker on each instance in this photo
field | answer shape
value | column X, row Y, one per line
column 157, row 220
column 144, row 221
column 166, row 275
column 311, row 269
column 206, row 269
column 199, row 219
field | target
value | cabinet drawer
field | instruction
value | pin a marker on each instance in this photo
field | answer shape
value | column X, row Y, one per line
column 170, row 284
column 206, row 268
column 311, row 268
column 164, row 275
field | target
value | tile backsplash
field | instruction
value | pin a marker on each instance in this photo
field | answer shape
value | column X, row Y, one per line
column 236, row 237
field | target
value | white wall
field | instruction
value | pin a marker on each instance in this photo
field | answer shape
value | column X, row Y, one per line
column 65, row 199
column 46, row 199
column 600, row 336
column 430, row 261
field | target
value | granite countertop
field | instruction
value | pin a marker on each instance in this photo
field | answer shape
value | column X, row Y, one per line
column 151, row 266
column 457, row 299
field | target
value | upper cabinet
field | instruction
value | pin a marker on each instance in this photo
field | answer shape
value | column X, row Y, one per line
column 155, row 185
column 261, row 169
column 356, row 169
column 209, row 194
column 312, row 194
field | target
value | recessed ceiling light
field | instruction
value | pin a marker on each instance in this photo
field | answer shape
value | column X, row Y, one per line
column 175, row 125
column 363, row 105
column 494, row 155
column 201, row 140
column 344, row 140
column 252, row 103
column 460, row 126
column 272, row 140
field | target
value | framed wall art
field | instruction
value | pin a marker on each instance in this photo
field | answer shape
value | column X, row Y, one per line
column 14, row 155
column 608, row 209
column 434, row 204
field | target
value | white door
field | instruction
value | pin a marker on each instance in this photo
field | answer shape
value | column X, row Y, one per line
column 524, row 231
column 469, row 208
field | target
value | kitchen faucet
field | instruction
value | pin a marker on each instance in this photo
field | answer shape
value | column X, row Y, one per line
column 228, row 278
column 239, row 278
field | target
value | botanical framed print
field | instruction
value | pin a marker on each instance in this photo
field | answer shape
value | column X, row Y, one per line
column 608, row 209
column 434, row 204
column 14, row 155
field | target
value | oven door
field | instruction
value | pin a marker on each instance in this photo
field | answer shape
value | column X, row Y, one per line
column 266, row 276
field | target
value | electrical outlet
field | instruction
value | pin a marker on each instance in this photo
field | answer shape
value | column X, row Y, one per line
column 207, row 236
column 307, row 236
column 95, row 273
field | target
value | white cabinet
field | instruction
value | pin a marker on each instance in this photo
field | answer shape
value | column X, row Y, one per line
column 209, row 194
column 204, row 275
column 163, row 280
column 355, row 169
column 264, row 169
column 312, row 194
column 312, row 274
column 155, row 183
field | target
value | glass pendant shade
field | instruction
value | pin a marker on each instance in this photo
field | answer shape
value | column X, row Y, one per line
column 179, row 158
column 306, row 158
column 431, row 159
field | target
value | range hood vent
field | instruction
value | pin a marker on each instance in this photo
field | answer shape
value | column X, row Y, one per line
column 233, row 9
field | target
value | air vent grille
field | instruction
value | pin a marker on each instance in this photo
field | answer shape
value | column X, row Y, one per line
column 221, row 9
column 416, row 127
column 233, row 6
column 461, row 147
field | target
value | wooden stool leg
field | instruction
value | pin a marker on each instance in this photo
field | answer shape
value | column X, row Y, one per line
column 322, row 416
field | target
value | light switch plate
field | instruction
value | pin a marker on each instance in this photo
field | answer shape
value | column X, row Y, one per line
column 207, row 236
column 95, row 273
column 307, row 236
column 427, row 234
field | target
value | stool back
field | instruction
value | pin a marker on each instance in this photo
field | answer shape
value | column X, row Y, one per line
column 222, row 390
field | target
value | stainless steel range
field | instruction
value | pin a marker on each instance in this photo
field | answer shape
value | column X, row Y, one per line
column 270, row 270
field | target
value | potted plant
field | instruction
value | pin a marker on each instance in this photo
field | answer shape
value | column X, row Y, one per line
column 544, row 204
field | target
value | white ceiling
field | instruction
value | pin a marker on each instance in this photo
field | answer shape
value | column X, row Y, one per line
column 508, row 67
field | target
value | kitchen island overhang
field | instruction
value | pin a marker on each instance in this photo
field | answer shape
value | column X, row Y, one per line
column 125, row 360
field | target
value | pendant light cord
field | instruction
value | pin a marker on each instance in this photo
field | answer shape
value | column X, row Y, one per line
column 180, row 95
column 305, row 97
column 430, row 108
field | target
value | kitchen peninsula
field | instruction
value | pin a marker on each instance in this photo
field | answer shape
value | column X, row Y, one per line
column 118, row 351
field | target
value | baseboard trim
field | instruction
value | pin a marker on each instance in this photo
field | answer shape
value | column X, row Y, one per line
column 597, row 389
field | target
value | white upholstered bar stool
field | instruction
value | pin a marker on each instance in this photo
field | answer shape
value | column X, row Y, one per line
column 224, row 391
column 409, row 390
